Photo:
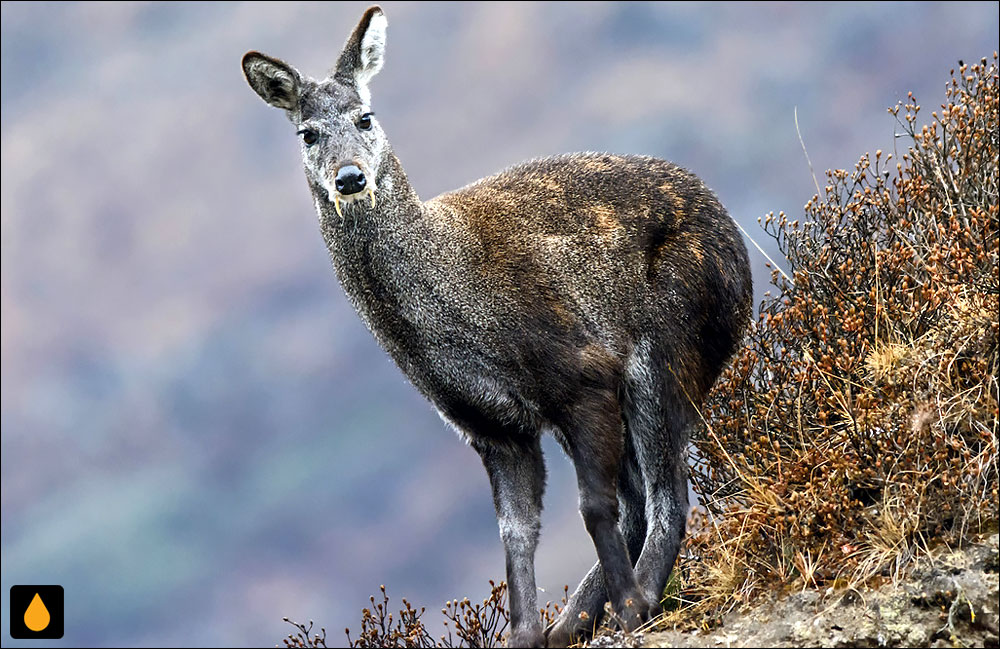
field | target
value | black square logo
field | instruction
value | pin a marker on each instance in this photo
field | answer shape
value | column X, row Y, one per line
column 36, row 612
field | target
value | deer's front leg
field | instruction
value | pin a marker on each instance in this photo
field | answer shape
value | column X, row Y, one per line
column 517, row 475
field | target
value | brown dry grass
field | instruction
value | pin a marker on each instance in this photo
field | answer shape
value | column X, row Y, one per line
column 859, row 424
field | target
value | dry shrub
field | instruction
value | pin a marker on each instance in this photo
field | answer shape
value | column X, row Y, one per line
column 860, row 422
column 304, row 636
column 466, row 624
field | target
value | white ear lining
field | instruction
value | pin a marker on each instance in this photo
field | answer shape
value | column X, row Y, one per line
column 364, row 94
column 372, row 48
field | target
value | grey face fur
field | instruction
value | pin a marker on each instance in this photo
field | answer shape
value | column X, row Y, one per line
column 333, row 117
column 593, row 296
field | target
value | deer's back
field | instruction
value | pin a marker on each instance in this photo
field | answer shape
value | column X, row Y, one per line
column 615, row 243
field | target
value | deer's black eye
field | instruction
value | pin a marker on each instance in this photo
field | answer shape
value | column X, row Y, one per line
column 309, row 136
column 365, row 121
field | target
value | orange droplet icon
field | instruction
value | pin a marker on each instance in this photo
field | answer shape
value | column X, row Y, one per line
column 37, row 616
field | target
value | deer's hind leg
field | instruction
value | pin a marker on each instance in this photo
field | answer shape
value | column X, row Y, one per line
column 594, row 439
column 585, row 608
column 660, row 417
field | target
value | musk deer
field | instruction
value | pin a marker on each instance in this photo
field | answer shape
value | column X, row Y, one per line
column 592, row 296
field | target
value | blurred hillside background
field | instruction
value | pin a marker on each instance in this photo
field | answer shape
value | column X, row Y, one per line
column 199, row 436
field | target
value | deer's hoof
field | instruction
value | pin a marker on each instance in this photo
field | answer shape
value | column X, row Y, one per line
column 564, row 631
column 634, row 613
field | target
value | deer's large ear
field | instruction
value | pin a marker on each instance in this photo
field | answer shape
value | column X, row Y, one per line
column 275, row 81
column 364, row 51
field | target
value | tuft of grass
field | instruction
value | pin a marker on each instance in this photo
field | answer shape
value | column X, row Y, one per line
column 859, row 424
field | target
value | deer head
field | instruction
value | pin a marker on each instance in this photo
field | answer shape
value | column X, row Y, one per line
column 342, row 144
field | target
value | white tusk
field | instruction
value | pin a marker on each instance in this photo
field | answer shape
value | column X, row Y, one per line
column 336, row 204
column 371, row 195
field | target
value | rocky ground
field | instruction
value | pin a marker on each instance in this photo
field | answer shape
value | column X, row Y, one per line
column 949, row 599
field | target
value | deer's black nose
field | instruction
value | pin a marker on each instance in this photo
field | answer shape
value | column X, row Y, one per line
column 350, row 180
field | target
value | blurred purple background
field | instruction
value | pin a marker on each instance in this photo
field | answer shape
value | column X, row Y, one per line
column 198, row 434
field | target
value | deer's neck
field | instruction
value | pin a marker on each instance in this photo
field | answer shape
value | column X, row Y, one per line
column 377, row 253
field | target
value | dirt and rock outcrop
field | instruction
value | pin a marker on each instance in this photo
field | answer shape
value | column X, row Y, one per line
column 949, row 599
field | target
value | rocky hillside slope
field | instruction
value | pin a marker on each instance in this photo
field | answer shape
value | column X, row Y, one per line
column 949, row 600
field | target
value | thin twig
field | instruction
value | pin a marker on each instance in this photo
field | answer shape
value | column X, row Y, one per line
column 795, row 113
